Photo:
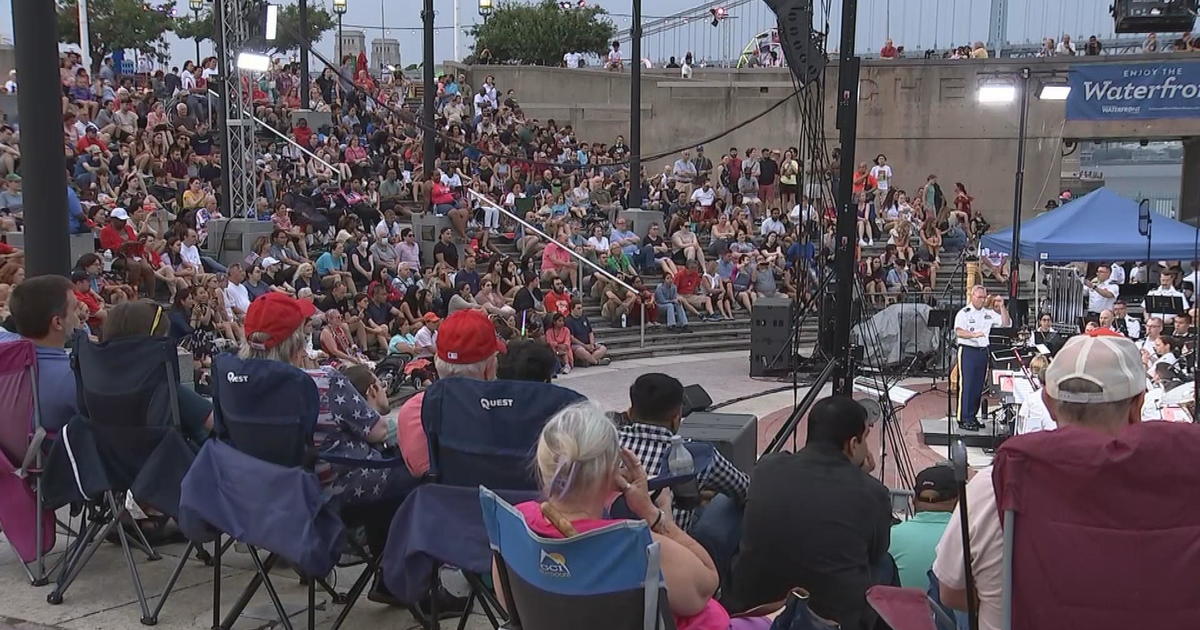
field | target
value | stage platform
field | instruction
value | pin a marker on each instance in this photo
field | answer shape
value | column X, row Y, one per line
column 934, row 432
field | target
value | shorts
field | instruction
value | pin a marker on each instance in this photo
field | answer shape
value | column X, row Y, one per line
column 679, row 257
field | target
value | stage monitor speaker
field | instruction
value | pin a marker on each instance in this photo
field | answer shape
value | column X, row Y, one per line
column 1154, row 16
column 695, row 399
column 805, row 57
column 735, row 435
column 770, row 337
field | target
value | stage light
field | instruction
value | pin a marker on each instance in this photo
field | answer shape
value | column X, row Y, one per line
column 1054, row 89
column 718, row 14
column 253, row 62
column 272, row 21
column 997, row 93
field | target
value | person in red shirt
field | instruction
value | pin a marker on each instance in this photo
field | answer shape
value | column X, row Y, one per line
column 91, row 137
column 687, row 281
column 119, row 238
column 558, row 300
column 96, row 313
column 302, row 132
column 889, row 51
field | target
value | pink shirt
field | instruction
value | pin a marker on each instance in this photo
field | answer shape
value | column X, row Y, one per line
column 713, row 617
column 554, row 255
column 410, row 434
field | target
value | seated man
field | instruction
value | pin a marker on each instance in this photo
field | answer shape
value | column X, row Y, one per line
column 817, row 519
column 1094, row 383
column 914, row 540
column 46, row 312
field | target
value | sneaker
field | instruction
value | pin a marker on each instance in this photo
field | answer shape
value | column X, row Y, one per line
column 862, row 243
column 566, row 369
column 870, row 242
column 604, row 361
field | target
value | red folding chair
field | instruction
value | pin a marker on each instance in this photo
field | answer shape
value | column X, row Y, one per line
column 907, row 608
column 28, row 527
column 1100, row 531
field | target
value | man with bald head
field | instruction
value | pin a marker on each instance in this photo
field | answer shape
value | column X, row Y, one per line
column 972, row 325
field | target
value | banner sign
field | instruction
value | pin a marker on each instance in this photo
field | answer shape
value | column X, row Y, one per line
column 1126, row 91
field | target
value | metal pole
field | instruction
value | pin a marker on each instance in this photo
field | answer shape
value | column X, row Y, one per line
column 635, row 108
column 47, row 249
column 304, row 43
column 227, row 66
column 339, row 42
column 457, row 33
column 1014, row 265
column 196, row 15
column 427, row 136
column 846, row 240
column 85, row 39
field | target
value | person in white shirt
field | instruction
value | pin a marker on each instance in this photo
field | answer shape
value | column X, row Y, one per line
column 773, row 223
column 388, row 227
column 972, row 326
column 237, row 298
column 1166, row 288
column 1139, row 273
column 11, row 83
column 571, row 59
column 426, row 337
column 1164, row 352
column 705, row 196
column 1154, row 328
column 683, row 173
column 1033, row 416
column 1124, row 323
column 1101, row 377
column 1065, row 46
column 882, row 173
column 1102, row 292
column 614, row 57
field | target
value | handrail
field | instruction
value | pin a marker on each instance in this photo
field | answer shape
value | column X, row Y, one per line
column 596, row 268
column 336, row 173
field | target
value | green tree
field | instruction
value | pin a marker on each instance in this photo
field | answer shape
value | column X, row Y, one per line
column 287, row 35
column 542, row 33
column 117, row 25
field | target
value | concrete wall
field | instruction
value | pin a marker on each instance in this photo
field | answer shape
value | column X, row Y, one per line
column 922, row 114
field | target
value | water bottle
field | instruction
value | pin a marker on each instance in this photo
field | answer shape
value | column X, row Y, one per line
column 108, row 260
column 679, row 462
column 624, row 320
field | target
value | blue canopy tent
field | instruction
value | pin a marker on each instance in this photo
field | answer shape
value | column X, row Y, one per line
column 1099, row 226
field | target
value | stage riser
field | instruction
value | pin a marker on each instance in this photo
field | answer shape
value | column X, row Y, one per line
column 933, row 430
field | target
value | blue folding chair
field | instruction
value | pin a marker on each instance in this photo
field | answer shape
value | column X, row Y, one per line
column 599, row 580
column 264, row 415
column 485, row 432
column 125, row 439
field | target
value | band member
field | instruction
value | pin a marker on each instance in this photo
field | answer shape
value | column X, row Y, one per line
column 1046, row 334
column 1166, row 288
column 1101, row 291
column 1125, row 323
column 972, row 326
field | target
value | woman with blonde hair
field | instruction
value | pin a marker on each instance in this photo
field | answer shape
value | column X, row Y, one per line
column 580, row 465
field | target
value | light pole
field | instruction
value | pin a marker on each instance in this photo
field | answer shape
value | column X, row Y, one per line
column 635, row 109
column 485, row 9
column 339, row 7
column 1050, row 89
column 195, row 6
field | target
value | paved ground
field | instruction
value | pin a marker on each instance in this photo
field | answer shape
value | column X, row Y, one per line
column 102, row 598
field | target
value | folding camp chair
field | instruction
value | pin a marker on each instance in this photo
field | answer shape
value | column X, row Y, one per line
column 603, row 579
column 125, row 441
column 1096, row 534
column 264, row 416
column 485, row 432
column 28, row 527
column 908, row 609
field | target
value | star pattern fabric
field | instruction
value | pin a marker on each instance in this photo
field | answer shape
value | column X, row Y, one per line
column 343, row 423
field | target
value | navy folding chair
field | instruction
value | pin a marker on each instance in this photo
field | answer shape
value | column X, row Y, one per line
column 125, row 440
column 485, row 432
column 599, row 580
column 27, row 525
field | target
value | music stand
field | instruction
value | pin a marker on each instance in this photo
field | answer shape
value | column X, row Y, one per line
column 1164, row 304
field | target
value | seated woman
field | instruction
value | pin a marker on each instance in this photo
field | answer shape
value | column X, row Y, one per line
column 581, row 467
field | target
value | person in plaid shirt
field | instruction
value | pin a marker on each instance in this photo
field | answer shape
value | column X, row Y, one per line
column 655, row 413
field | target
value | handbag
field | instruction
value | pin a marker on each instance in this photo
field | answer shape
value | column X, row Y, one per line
column 797, row 615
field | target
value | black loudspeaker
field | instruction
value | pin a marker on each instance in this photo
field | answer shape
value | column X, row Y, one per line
column 804, row 55
column 735, row 435
column 695, row 399
column 1154, row 16
column 770, row 337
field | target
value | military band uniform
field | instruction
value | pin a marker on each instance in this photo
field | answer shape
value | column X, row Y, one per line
column 973, row 360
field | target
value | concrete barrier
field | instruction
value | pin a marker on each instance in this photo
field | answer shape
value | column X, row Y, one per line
column 639, row 220
column 80, row 244
column 230, row 240
column 427, row 226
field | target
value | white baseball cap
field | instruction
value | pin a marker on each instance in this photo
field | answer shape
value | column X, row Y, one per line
column 119, row 213
column 1112, row 363
column 268, row 261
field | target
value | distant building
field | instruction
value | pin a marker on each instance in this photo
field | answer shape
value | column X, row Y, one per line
column 353, row 42
column 385, row 51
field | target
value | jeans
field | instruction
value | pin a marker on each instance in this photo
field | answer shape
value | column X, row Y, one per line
column 645, row 258
column 718, row 528
column 675, row 313
column 212, row 266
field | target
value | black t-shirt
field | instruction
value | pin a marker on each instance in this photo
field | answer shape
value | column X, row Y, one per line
column 449, row 252
column 526, row 299
column 343, row 305
column 379, row 314
column 581, row 328
column 202, row 143
column 767, row 170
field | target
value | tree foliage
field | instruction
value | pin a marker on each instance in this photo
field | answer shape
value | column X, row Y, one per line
column 118, row 25
column 542, row 33
column 320, row 20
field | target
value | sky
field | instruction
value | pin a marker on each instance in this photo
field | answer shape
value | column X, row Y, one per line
column 916, row 24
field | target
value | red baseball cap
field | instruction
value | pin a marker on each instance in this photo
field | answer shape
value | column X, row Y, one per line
column 467, row 336
column 1104, row 332
column 277, row 315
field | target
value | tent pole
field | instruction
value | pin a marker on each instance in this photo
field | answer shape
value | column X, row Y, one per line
column 1037, row 284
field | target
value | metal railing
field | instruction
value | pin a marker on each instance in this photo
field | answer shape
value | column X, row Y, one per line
column 581, row 258
column 336, row 173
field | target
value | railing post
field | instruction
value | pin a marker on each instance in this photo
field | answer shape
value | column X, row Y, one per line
column 643, row 322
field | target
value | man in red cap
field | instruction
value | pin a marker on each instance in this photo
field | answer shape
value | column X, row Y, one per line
column 466, row 346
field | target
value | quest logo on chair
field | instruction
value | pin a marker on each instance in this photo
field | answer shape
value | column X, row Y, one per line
column 495, row 402
column 553, row 565
column 236, row 378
